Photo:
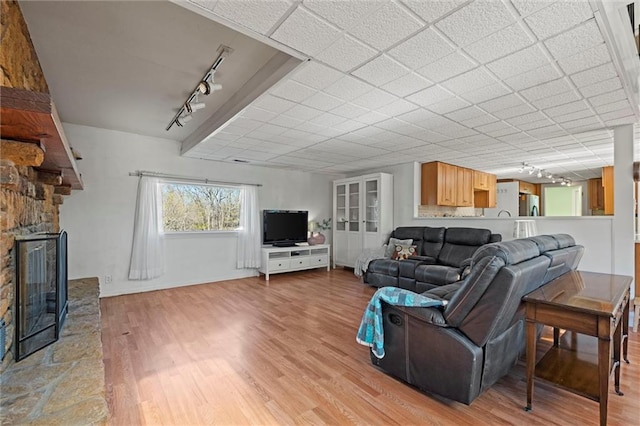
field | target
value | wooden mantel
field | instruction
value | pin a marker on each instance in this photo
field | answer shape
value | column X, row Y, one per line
column 32, row 117
column 27, row 113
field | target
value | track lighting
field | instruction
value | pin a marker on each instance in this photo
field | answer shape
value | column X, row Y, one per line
column 204, row 87
column 539, row 173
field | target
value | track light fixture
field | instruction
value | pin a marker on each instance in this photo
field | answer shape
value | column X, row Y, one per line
column 204, row 87
column 539, row 173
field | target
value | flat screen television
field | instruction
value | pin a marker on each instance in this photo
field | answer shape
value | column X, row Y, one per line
column 284, row 228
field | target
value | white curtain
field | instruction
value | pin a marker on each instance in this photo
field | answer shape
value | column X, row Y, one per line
column 147, row 254
column 249, row 232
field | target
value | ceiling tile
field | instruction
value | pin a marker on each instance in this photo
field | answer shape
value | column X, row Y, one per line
column 534, row 77
column 322, row 101
column 519, row 62
column 528, row 126
column 613, row 106
column 371, row 117
column 601, row 87
column 302, row 112
column 258, row 114
column 348, row 88
column 475, row 21
column 431, row 11
column 273, row 104
column 498, row 44
column 380, row 70
column 386, row 26
column 327, row 119
column 430, row 96
column 447, row 67
column 560, row 99
column 527, row 7
column 397, row 107
column 374, row 99
column 567, row 108
column 558, row 17
column 271, row 129
column 589, row 121
column 530, row 117
column 578, row 39
column 481, row 120
column 349, row 125
column 469, row 81
column 349, row 110
column 310, row 127
column 421, row 49
column 466, row 113
column 594, row 75
column 514, row 111
column 260, row 16
column 304, row 32
column 407, row 85
column 448, row 105
column 344, row 14
column 293, row 91
column 573, row 116
column 503, row 102
column 286, row 121
column 546, row 90
column 607, row 98
column 586, row 59
column 316, row 75
column 346, row 53
column 484, row 94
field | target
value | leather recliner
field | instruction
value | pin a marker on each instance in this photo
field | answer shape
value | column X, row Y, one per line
column 463, row 349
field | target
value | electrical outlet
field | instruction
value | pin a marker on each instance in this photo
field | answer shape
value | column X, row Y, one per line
column 107, row 279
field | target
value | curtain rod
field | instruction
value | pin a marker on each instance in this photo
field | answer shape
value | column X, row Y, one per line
column 190, row 178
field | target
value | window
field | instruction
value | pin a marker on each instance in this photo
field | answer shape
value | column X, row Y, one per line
column 190, row 207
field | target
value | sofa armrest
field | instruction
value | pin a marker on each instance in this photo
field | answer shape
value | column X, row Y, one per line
column 431, row 316
column 408, row 266
column 437, row 274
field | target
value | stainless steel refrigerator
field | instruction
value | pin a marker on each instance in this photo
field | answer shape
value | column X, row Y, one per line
column 529, row 205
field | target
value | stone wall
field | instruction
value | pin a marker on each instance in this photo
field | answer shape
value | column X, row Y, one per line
column 27, row 206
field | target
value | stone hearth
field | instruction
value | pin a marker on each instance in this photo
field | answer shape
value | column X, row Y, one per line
column 63, row 383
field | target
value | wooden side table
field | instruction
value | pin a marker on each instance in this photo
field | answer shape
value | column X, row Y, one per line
column 585, row 304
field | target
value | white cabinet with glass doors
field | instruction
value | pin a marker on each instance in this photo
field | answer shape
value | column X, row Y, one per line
column 362, row 215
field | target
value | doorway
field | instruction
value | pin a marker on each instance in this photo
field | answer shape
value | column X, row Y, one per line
column 563, row 201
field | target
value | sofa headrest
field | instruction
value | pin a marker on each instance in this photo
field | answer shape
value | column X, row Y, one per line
column 564, row 240
column 433, row 235
column 406, row 232
column 467, row 236
column 545, row 242
column 512, row 252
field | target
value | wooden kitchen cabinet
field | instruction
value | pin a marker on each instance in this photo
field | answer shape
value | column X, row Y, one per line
column 486, row 198
column 529, row 188
column 464, row 187
column 480, row 181
column 596, row 194
column 439, row 184
column 607, row 184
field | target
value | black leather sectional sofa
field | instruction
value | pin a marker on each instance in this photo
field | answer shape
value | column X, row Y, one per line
column 442, row 255
column 460, row 350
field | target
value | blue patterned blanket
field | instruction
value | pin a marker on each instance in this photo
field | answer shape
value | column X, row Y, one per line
column 371, row 332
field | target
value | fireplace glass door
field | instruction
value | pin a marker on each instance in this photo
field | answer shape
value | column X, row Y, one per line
column 41, row 291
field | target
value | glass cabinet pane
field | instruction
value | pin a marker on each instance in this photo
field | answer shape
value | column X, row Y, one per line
column 372, row 206
column 341, row 208
column 354, row 207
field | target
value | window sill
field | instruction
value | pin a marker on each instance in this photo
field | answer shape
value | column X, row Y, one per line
column 198, row 234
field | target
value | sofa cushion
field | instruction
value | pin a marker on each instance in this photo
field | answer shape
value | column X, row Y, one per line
column 514, row 251
column 403, row 252
column 408, row 267
column 384, row 266
column 564, row 240
column 393, row 242
column 443, row 292
column 432, row 241
column 460, row 244
column 437, row 274
column 545, row 242
column 472, row 289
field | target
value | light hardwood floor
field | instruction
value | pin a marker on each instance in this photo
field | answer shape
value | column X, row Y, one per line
column 238, row 352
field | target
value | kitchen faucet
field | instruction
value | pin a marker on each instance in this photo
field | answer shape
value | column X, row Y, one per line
column 506, row 211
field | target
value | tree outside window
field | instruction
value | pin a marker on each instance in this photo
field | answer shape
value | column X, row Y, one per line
column 193, row 207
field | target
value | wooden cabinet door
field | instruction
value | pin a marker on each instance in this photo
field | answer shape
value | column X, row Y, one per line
column 607, row 183
column 480, row 180
column 596, row 194
column 492, row 191
column 447, row 184
column 464, row 187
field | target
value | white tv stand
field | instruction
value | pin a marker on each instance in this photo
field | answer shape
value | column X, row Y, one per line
column 276, row 260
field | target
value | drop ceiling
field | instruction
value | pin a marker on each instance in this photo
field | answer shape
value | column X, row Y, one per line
column 480, row 84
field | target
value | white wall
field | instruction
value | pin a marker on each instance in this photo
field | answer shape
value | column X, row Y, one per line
column 99, row 219
column 595, row 233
